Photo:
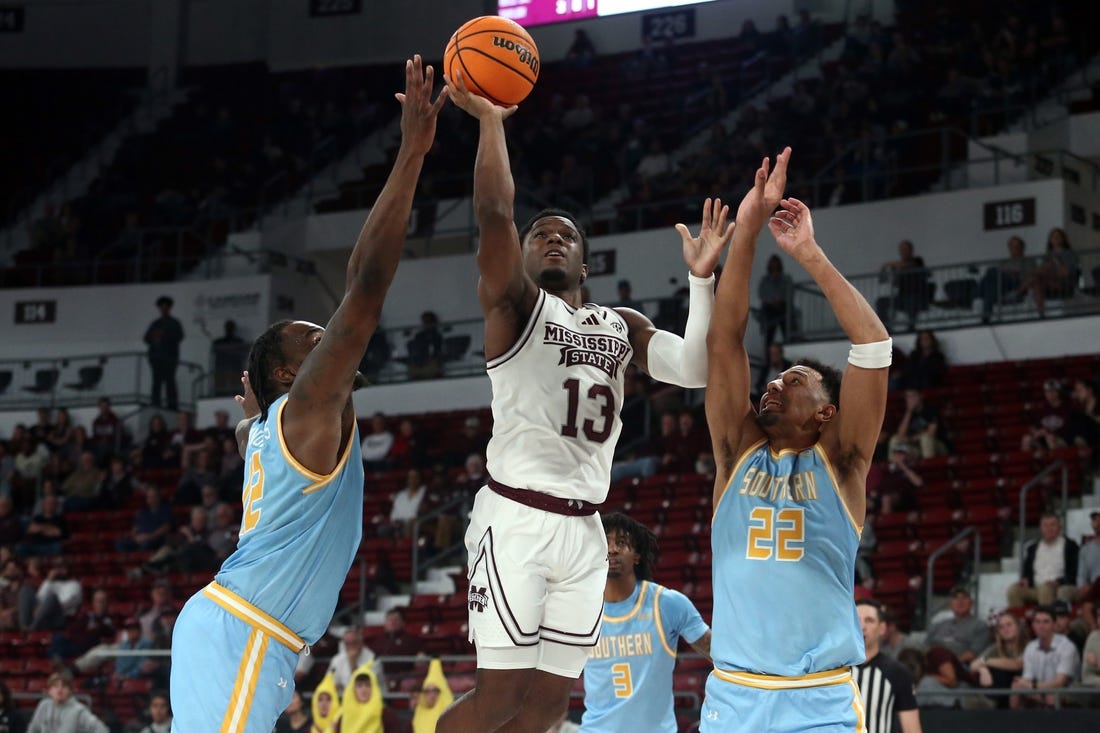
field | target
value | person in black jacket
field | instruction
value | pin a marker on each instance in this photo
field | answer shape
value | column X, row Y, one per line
column 1050, row 567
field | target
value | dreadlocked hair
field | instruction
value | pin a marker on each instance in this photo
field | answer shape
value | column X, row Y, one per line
column 266, row 354
column 830, row 378
column 641, row 538
column 564, row 215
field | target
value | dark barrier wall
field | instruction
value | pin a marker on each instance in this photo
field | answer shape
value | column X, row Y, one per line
column 1010, row 721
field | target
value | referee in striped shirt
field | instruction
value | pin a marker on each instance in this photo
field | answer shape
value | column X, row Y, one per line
column 884, row 682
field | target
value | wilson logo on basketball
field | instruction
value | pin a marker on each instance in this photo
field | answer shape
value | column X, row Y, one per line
column 523, row 53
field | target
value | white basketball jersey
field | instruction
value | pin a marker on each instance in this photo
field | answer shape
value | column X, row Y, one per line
column 556, row 399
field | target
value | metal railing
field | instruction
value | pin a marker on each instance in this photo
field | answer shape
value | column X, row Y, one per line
column 1037, row 480
column 943, row 549
column 80, row 380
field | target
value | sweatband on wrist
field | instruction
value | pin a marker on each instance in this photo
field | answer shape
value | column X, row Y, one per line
column 875, row 355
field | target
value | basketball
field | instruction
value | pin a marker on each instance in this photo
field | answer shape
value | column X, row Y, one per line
column 497, row 57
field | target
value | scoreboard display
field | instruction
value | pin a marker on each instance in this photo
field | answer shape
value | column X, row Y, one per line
column 542, row 12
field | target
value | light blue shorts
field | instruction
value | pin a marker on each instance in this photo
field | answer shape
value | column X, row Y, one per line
column 232, row 665
column 825, row 702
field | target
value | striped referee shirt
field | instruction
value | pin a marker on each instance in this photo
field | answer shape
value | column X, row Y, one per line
column 887, row 689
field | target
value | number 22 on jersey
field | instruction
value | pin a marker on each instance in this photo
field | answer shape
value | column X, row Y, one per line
column 253, row 492
column 776, row 533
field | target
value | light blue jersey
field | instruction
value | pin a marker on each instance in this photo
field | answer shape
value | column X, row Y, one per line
column 236, row 642
column 299, row 530
column 784, row 548
column 628, row 676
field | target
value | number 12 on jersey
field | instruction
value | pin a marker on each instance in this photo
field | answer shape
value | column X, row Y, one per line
column 776, row 533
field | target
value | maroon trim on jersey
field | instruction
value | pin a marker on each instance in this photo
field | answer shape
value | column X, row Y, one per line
column 524, row 337
column 587, row 639
column 546, row 502
column 499, row 597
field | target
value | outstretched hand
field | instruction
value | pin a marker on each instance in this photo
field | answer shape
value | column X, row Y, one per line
column 765, row 193
column 793, row 229
column 418, row 112
column 250, row 406
column 702, row 253
column 474, row 104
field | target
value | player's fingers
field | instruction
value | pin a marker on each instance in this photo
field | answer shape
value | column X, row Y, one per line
column 685, row 233
column 509, row 111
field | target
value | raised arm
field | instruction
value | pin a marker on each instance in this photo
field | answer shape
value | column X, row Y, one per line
column 728, row 373
column 666, row 356
column 850, row 438
column 319, row 412
column 507, row 294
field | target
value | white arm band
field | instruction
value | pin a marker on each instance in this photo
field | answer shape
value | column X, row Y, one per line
column 875, row 355
column 683, row 361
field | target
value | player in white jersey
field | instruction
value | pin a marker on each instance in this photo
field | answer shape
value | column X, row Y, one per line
column 538, row 552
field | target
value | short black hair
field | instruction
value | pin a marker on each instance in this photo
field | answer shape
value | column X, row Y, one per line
column 564, row 215
column 641, row 538
column 1048, row 610
column 266, row 354
column 873, row 604
column 830, row 378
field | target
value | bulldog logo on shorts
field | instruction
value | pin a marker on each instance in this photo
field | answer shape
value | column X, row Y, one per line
column 477, row 598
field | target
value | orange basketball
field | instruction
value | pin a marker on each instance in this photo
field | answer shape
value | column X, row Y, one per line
column 497, row 57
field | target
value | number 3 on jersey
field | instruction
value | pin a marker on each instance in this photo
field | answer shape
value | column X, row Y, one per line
column 776, row 533
column 620, row 678
column 253, row 492
column 597, row 392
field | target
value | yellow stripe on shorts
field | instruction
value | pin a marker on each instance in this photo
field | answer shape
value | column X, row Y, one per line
column 236, row 715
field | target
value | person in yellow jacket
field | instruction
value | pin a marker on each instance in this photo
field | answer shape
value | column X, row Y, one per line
column 325, row 706
column 435, row 697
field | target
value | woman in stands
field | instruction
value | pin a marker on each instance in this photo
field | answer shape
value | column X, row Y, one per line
column 1004, row 659
column 1057, row 276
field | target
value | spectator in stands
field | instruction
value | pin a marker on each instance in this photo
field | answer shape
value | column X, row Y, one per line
column 106, row 432
column 1088, row 574
column 1003, row 660
column 198, row 473
column 11, row 717
column 920, row 425
column 230, row 353
column 60, row 712
column 28, row 464
column 926, row 365
column 1050, row 662
column 152, row 524
column 58, row 598
column 884, row 683
column 684, row 445
column 10, row 529
column 1090, row 665
column 352, row 655
column 941, row 676
column 210, row 502
column 1083, row 429
column 90, row 625
column 407, row 501
column 425, row 357
column 1063, row 624
column 17, row 598
column 43, row 425
column 773, row 290
column 1050, row 567
column 231, row 473
column 46, row 531
column 893, row 638
column 893, row 486
column 61, row 438
column 407, row 449
column 775, row 363
column 160, row 713
column 377, row 355
column 295, row 719
column 363, row 708
column 581, row 51
column 1049, row 431
column 81, row 488
column 160, row 603
column 656, row 165
column 911, row 283
column 626, row 299
column 396, row 641
column 1056, row 276
column 435, row 697
column 117, row 486
column 7, row 470
column 163, row 338
column 158, row 452
column 472, row 439
column 1003, row 283
column 223, row 540
column 964, row 635
column 186, row 439
column 376, row 444
column 187, row 549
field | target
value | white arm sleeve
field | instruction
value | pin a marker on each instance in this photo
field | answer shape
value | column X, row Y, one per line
column 683, row 361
